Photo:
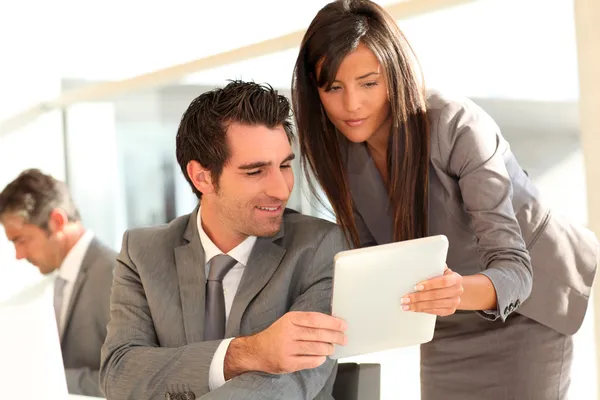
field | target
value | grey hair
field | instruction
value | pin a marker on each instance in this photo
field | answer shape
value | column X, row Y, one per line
column 33, row 195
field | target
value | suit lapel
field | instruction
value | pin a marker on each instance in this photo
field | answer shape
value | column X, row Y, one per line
column 88, row 259
column 369, row 193
column 189, row 260
column 262, row 264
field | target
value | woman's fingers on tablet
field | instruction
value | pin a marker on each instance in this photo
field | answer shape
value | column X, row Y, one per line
column 427, row 306
column 450, row 278
column 436, row 294
column 439, row 296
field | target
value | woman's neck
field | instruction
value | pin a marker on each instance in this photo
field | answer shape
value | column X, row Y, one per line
column 378, row 147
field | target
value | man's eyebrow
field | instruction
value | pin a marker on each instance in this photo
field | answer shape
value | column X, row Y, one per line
column 260, row 164
column 256, row 164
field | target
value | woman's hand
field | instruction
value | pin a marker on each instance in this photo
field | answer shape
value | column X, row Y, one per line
column 438, row 296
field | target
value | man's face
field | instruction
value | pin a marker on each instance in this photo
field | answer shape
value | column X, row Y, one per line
column 256, row 181
column 32, row 243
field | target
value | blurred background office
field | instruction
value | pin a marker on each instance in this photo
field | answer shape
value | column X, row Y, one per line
column 93, row 94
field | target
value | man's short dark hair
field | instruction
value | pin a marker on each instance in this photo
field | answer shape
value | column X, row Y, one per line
column 33, row 195
column 202, row 132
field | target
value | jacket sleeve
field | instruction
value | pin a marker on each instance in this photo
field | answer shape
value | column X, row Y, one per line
column 473, row 145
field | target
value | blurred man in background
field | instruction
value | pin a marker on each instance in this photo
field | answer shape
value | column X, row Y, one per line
column 40, row 218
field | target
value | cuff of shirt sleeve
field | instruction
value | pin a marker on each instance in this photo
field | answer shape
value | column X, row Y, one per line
column 490, row 315
column 216, row 376
column 507, row 295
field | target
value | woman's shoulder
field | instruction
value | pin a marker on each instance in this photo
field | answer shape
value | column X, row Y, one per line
column 448, row 104
column 457, row 120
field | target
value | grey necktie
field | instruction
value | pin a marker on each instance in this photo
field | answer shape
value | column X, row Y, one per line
column 59, row 288
column 214, row 314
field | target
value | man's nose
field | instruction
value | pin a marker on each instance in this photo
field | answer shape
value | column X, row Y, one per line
column 278, row 186
column 20, row 252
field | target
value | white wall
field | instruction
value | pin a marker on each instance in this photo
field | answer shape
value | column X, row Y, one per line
column 94, row 179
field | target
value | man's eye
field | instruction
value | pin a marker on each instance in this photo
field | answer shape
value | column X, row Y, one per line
column 253, row 173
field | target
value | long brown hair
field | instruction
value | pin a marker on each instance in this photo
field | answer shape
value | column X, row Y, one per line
column 337, row 29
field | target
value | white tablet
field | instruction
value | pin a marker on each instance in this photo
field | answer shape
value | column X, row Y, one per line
column 368, row 285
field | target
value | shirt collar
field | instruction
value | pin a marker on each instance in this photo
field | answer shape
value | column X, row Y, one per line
column 69, row 269
column 241, row 253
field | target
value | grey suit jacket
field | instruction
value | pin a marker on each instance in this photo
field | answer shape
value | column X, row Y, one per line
column 155, row 335
column 496, row 224
column 86, row 320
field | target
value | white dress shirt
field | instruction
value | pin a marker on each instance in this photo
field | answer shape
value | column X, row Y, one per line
column 231, row 281
column 68, row 270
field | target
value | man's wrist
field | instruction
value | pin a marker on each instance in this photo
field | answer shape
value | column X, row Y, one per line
column 241, row 357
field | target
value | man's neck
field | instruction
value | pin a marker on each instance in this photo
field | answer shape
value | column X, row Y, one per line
column 72, row 232
column 224, row 239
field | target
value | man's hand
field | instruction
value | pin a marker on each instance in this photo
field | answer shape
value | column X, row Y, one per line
column 296, row 341
column 439, row 296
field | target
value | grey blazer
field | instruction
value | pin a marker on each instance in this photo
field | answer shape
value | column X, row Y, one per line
column 479, row 197
column 86, row 320
column 155, row 346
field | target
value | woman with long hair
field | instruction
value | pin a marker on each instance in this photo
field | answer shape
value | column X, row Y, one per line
column 397, row 162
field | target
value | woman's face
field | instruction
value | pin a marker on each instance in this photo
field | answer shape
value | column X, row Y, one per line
column 357, row 103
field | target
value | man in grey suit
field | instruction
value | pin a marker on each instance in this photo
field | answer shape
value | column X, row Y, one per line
column 42, row 221
column 231, row 301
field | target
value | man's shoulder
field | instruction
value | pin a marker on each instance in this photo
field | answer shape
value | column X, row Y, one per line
column 99, row 250
column 164, row 232
column 296, row 220
column 99, row 263
column 154, row 242
column 308, row 230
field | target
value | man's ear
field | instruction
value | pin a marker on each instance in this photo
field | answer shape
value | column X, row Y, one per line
column 200, row 177
column 57, row 220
